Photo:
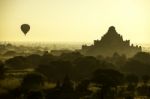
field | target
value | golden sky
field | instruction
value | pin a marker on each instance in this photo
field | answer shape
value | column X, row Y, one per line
column 74, row 20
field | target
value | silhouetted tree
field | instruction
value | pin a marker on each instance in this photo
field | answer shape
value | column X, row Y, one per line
column 107, row 78
column 58, row 85
column 132, row 83
column 144, row 89
column 85, row 66
column 47, row 58
column 145, row 79
column 132, row 79
column 33, row 81
column 18, row 62
column 143, row 57
column 67, row 85
column 136, row 67
column 34, row 60
column 67, row 89
column 35, row 95
column 118, row 60
column 56, row 70
column 82, row 88
column 2, row 70
column 70, row 56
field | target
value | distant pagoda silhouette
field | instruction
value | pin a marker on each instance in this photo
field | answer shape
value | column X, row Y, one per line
column 111, row 43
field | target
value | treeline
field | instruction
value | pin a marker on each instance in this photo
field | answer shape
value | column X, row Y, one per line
column 79, row 67
column 75, row 75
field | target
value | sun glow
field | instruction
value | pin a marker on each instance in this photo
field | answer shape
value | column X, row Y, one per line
column 74, row 20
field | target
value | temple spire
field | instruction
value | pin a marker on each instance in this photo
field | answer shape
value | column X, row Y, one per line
column 112, row 29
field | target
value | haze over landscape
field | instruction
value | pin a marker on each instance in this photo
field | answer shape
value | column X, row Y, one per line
column 74, row 49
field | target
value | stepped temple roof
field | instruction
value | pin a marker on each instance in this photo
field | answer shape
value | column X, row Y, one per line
column 111, row 43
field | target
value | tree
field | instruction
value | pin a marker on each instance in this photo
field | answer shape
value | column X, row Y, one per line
column 67, row 85
column 136, row 67
column 132, row 79
column 2, row 70
column 143, row 57
column 33, row 81
column 82, row 88
column 17, row 62
column 145, row 79
column 67, row 89
column 70, row 56
column 55, row 70
column 132, row 83
column 118, row 60
column 35, row 95
column 107, row 78
column 34, row 60
column 144, row 89
column 85, row 66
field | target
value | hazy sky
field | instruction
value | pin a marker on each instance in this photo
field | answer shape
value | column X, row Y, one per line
column 74, row 20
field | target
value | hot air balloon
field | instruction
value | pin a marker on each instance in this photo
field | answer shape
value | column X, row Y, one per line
column 25, row 28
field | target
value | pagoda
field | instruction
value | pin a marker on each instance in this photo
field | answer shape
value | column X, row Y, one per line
column 111, row 43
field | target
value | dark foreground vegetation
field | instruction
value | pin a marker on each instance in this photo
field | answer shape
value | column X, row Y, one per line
column 74, row 76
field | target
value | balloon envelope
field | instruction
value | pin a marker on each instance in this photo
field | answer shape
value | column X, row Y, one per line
column 25, row 28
